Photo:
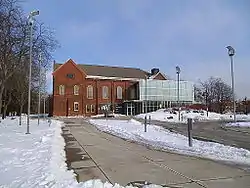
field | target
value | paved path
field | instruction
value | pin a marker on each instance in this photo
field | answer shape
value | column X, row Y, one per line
column 94, row 154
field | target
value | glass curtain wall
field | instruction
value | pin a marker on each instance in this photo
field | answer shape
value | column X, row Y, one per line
column 163, row 93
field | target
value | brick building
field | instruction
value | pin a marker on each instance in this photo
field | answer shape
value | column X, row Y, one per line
column 89, row 89
column 80, row 89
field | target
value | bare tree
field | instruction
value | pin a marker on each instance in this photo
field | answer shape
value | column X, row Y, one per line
column 21, row 89
column 198, row 95
column 215, row 93
column 14, row 43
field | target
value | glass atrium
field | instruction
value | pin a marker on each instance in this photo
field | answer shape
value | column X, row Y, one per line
column 156, row 94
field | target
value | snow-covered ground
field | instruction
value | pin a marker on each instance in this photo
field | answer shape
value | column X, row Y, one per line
column 163, row 139
column 239, row 124
column 36, row 159
column 196, row 115
column 113, row 114
column 62, row 117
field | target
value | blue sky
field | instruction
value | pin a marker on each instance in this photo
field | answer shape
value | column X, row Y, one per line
column 154, row 33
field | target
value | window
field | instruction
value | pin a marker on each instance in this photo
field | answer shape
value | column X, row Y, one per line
column 61, row 90
column 90, row 92
column 119, row 92
column 132, row 93
column 105, row 92
column 76, row 90
column 71, row 76
column 76, row 106
column 88, row 108
column 92, row 108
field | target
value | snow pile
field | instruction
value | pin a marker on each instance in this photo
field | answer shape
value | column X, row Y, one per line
column 37, row 159
column 196, row 115
column 99, row 184
column 163, row 139
column 33, row 160
column 239, row 124
column 63, row 117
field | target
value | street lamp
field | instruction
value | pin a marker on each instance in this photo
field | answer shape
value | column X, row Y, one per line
column 44, row 96
column 231, row 53
column 39, row 85
column 178, row 71
column 30, row 22
column 146, row 95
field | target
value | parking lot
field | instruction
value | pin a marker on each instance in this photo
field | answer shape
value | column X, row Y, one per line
column 215, row 131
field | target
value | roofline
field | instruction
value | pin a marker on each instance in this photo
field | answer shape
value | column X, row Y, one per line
column 112, row 78
column 74, row 64
column 110, row 66
column 153, row 76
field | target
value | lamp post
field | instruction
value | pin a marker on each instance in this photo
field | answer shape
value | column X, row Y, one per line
column 231, row 53
column 44, row 97
column 30, row 21
column 39, row 86
column 178, row 71
column 146, row 95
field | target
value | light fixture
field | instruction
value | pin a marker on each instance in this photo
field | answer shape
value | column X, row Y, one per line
column 178, row 70
column 231, row 50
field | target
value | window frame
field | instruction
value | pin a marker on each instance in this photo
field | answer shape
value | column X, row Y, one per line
column 90, row 88
column 61, row 89
column 105, row 92
column 76, row 90
column 119, row 92
column 88, row 110
column 92, row 108
column 70, row 75
column 74, row 106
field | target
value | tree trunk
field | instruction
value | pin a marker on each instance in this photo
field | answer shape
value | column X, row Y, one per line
column 1, row 97
column 7, row 95
column 21, row 110
column 4, row 104
column 21, row 107
column 7, row 104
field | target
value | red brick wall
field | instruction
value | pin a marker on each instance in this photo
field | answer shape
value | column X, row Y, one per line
column 112, row 85
column 60, row 78
column 60, row 102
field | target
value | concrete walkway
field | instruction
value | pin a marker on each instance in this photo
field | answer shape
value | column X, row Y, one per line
column 109, row 158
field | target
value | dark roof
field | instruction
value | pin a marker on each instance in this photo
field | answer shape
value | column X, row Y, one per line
column 110, row 71
column 57, row 65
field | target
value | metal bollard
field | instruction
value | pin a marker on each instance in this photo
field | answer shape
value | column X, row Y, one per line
column 149, row 120
column 190, row 124
column 145, row 124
